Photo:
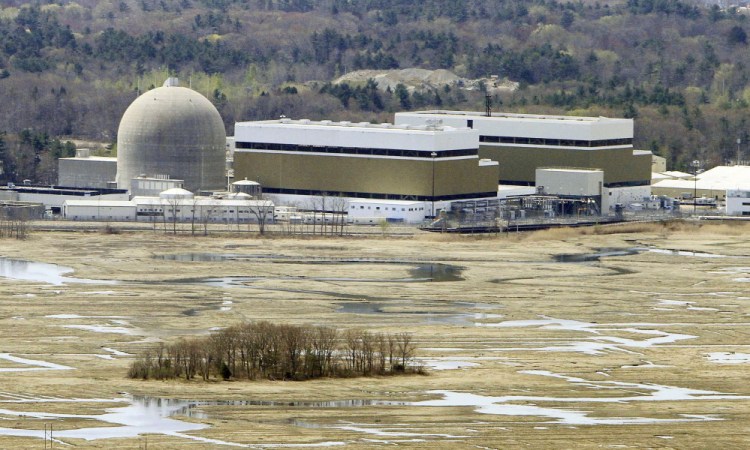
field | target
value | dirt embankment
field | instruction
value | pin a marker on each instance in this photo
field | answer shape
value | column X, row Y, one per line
column 425, row 80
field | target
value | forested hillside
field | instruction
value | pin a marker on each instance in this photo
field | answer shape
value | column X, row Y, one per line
column 68, row 69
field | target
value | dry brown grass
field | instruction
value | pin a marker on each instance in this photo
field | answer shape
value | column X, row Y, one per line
column 506, row 277
column 662, row 229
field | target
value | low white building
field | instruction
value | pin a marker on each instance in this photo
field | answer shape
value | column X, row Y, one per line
column 99, row 210
column 173, row 205
column 711, row 184
column 53, row 197
column 589, row 183
column 204, row 209
column 570, row 182
column 372, row 212
column 623, row 196
column 738, row 202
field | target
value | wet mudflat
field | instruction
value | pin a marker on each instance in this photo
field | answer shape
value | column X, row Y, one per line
column 640, row 341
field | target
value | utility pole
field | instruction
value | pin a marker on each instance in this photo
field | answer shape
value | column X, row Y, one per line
column 433, row 155
column 739, row 141
column 696, row 164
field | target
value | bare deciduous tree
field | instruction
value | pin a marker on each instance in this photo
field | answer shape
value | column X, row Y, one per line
column 255, row 350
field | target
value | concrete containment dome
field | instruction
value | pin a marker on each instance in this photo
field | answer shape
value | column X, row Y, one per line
column 172, row 131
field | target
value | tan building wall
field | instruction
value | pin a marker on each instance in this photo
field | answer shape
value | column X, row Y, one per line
column 688, row 192
column 519, row 164
column 394, row 176
column 658, row 164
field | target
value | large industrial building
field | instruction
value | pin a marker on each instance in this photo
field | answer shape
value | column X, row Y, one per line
column 172, row 132
column 299, row 161
column 86, row 171
column 524, row 142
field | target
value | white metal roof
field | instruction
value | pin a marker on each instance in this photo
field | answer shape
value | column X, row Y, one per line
column 201, row 201
column 726, row 174
column 356, row 135
column 718, row 179
column 676, row 174
column 246, row 183
column 569, row 170
column 175, row 193
column 528, row 125
column 100, row 203
column 91, row 158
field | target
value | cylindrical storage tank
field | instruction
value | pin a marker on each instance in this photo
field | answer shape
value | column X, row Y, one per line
column 251, row 188
column 176, row 194
column 172, row 131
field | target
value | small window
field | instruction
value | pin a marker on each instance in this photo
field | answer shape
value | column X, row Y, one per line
column 470, row 123
column 377, row 208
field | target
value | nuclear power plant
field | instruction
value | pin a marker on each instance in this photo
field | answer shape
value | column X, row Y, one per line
column 426, row 164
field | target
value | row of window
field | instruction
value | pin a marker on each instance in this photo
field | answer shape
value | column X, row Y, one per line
column 385, row 208
column 126, row 218
column 403, row 153
column 607, row 185
column 158, row 210
column 555, row 142
column 379, row 196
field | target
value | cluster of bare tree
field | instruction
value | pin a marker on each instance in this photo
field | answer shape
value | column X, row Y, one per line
column 14, row 223
column 325, row 214
column 263, row 350
column 178, row 215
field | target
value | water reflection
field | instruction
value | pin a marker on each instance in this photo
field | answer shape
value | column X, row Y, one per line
column 596, row 256
column 17, row 269
column 54, row 274
column 437, row 272
column 420, row 271
column 609, row 252
column 149, row 415
column 433, row 272
column 427, row 317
